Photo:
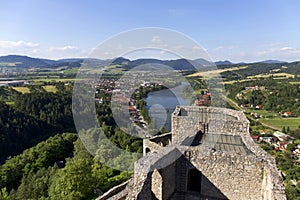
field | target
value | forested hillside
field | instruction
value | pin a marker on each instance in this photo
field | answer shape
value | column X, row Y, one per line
column 58, row 168
column 33, row 118
column 52, row 164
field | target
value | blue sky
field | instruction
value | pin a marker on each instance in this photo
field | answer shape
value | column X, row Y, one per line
column 228, row 29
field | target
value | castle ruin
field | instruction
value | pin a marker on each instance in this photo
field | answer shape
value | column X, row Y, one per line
column 208, row 154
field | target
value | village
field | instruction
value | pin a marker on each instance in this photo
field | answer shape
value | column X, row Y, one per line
column 279, row 141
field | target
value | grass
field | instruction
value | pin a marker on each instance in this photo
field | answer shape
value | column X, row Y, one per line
column 71, row 71
column 296, row 83
column 50, row 88
column 278, row 122
column 54, row 80
column 275, row 75
column 23, row 90
column 236, row 81
column 215, row 72
column 10, row 103
column 262, row 112
column 232, row 103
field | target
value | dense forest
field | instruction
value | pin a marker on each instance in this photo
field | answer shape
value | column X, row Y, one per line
column 52, row 164
column 58, row 168
column 276, row 96
column 33, row 118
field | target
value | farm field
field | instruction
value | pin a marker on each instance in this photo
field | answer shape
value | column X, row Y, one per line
column 23, row 90
column 296, row 83
column 279, row 123
column 10, row 103
column 50, row 88
column 54, row 80
column 264, row 113
column 216, row 72
column 237, row 81
column 275, row 75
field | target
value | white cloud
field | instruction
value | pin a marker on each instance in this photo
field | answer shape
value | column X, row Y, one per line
column 278, row 51
column 64, row 48
column 67, row 51
column 287, row 49
column 253, row 53
column 34, row 49
column 17, row 44
column 227, row 47
column 196, row 48
column 18, row 47
column 219, row 48
column 156, row 40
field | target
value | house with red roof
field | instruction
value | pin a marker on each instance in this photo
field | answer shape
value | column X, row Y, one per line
column 287, row 113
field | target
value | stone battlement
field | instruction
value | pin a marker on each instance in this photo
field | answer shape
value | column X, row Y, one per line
column 209, row 154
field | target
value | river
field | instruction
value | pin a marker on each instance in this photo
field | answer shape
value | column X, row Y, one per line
column 162, row 103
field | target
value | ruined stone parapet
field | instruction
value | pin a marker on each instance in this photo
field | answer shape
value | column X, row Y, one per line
column 272, row 185
column 212, row 112
column 117, row 192
column 188, row 119
column 232, row 127
column 164, row 139
column 238, row 170
column 156, row 143
column 236, row 176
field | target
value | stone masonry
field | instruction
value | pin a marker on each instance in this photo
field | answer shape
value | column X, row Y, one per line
column 209, row 154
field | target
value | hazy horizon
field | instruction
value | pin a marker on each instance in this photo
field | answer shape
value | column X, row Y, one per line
column 238, row 31
column 255, row 61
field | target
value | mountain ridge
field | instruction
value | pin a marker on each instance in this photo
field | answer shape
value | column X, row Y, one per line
column 21, row 61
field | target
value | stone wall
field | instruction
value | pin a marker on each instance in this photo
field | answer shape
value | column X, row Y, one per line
column 226, row 174
column 117, row 192
column 169, row 177
column 237, row 176
column 188, row 120
column 183, row 127
column 156, row 143
column 164, row 139
column 164, row 173
column 163, row 164
column 229, row 127
column 156, row 184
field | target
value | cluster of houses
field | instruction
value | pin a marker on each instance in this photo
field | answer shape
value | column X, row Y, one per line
column 280, row 114
column 109, row 86
column 105, row 86
column 257, row 107
column 285, row 114
column 256, row 87
column 203, row 99
column 278, row 140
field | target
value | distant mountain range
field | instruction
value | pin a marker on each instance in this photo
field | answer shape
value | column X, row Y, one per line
column 25, row 61
column 179, row 64
column 29, row 62
column 225, row 62
column 273, row 61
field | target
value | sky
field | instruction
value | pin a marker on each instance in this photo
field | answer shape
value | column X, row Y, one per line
column 235, row 30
